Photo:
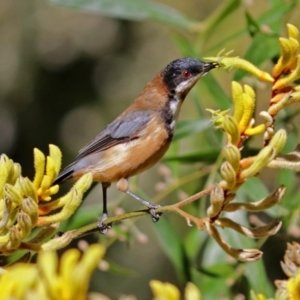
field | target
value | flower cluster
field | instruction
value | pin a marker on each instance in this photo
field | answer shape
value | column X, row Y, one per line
column 50, row 278
column 25, row 204
column 168, row 291
column 239, row 126
column 290, row 288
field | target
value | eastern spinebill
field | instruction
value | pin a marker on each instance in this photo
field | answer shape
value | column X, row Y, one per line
column 140, row 136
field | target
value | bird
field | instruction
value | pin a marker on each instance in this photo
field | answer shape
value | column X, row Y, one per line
column 140, row 136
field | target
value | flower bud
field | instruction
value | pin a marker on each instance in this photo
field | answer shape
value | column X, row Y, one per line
column 24, row 224
column 278, row 140
column 26, row 188
column 267, row 118
column 228, row 174
column 216, row 200
column 30, row 208
column 230, row 126
column 260, row 161
column 232, row 155
column 13, row 194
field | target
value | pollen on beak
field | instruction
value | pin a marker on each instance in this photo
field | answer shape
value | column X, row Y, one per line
column 207, row 66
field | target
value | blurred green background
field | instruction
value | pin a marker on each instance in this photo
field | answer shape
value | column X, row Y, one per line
column 66, row 72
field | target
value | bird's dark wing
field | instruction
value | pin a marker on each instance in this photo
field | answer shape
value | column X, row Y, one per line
column 122, row 130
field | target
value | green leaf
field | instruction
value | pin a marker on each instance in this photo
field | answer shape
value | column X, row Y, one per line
column 272, row 17
column 218, row 270
column 204, row 155
column 171, row 244
column 252, row 26
column 119, row 270
column 193, row 242
column 135, row 10
column 184, row 45
column 254, row 188
column 187, row 128
column 221, row 99
column 256, row 274
column 212, row 288
column 221, row 13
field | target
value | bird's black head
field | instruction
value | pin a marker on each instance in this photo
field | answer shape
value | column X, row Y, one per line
column 182, row 74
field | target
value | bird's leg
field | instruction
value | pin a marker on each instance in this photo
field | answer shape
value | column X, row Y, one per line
column 103, row 227
column 122, row 185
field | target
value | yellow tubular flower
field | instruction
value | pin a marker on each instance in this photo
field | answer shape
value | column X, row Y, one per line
column 237, row 97
column 56, row 156
column 192, row 292
column 255, row 130
column 278, row 140
column 260, row 161
column 47, row 279
column 39, row 167
column 230, row 126
column 164, row 291
column 3, row 173
column 249, row 105
column 232, row 155
column 45, row 176
column 239, row 63
column 289, row 49
column 72, row 201
column 12, row 287
column 21, row 203
column 292, row 31
column 293, row 76
column 293, row 286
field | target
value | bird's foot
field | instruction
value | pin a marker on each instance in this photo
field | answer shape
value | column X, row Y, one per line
column 155, row 215
column 103, row 228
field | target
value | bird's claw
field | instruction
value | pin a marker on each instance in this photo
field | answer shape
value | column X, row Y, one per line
column 154, row 214
column 103, row 228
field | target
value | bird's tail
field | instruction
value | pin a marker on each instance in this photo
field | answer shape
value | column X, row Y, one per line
column 63, row 176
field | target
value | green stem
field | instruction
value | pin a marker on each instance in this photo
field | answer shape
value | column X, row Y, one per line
column 162, row 209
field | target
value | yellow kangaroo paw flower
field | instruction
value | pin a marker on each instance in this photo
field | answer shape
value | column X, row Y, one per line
column 13, row 194
column 293, row 31
column 232, row 155
column 276, row 107
column 3, row 175
column 56, row 155
column 285, row 81
column 249, row 105
column 255, row 130
column 278, row 140
column 26, row 188
column 237, row 97
column 288, row 59
column 230, row 126
column 239, row 63
column 51, row 169
column 39, row 166
column 15, row 174
column 260, row 161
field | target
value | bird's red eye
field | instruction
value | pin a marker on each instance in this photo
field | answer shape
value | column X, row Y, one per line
column 186, row 74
